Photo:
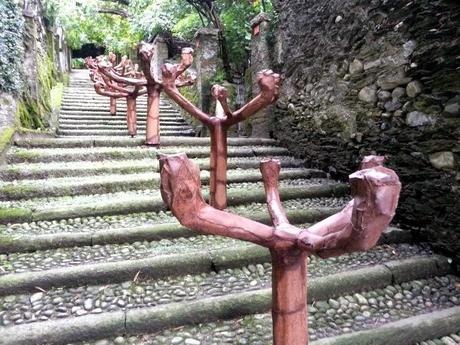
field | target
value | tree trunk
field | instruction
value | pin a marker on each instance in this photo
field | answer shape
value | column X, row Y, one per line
column 113, row 106
column 289, row 297
column 218, row 163
column 153, row 116
column 131, row 115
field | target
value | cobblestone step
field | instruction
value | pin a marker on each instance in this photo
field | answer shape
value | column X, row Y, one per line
column 336, row 295
column 27, row 189
column 37, row 155
column 56, row 208
column 451, row 339
column 109, row 228
column 102, row 132
column 116, row 122
column 121, row 127
column 22, row 171
column 124, row 142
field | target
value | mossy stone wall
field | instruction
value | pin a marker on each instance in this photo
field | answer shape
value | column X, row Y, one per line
column 378, row 77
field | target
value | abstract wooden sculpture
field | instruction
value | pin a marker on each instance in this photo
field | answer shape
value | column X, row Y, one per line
column 218, row 125
column 153, row 87
column 130, row 92
column 357, row 227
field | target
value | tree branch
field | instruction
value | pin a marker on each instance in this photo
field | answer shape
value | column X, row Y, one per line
column 114, row 11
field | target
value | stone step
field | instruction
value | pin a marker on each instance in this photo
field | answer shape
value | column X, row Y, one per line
column 105, row 114
column 151, row 226
column 115, row 122
column 125, row 142
column 28, row 189
column 450, row 339
column 98, row 108
column 56, row 208
column 121, row 126
column 37, row 155
column 136, row 308
column 34, row 171
column 77, row 133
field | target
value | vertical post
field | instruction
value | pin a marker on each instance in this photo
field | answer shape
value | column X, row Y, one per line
column 153, row 116
column 113, row 106
column 289, row 297
column 260, row 59
column 218, row 165
column 160, row 55
column 207, row 63
column 131, row 115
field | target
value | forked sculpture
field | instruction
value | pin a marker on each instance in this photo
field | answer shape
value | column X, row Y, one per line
column 152, row 85
column 106, row 86
column 218, row 125
column 357, row 227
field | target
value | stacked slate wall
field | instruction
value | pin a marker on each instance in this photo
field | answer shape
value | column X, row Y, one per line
column 378, row 77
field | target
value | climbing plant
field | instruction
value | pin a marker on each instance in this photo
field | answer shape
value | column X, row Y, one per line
column 11, row 49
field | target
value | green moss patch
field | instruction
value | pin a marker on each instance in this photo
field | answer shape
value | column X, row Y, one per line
column 15, row 215
column 5, row 138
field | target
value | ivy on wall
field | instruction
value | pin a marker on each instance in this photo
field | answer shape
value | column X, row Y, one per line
column 11, row 48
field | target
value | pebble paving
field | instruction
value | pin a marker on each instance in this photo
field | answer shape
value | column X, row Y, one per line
column 92, row 224
column 84, row 168
column 346, row 314
column 67, row 302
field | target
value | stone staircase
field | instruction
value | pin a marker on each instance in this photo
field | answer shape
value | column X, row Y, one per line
column 90, row 255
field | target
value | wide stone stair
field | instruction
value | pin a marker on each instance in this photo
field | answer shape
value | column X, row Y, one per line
column 90, row 255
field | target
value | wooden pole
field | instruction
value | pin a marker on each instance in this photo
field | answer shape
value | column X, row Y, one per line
column 153, row 116
column 131, row 115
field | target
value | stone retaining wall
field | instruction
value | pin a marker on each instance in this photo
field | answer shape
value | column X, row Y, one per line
column 381, row 76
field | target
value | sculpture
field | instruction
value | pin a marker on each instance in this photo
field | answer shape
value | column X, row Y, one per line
column 153, row 87
column 106, row 86
column 357, row 227
column 218, row 125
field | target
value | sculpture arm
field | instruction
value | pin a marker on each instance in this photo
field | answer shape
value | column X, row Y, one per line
column 169, row 73
column 120, row 79
column 98, row 87
column 269, row 84
column 359, row 225
column 181, row 191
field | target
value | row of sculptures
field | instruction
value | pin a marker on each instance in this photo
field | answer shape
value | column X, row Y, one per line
column 358, row 227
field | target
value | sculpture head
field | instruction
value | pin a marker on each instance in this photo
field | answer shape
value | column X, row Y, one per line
column 145, row 51
column 180, row 184
column 219, row 93
column 269, row 84
column 187, row 56
column 112, row 58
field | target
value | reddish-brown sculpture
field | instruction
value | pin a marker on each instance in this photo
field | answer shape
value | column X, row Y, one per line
column 130, row 92
column 218, row 125
column 357, row 227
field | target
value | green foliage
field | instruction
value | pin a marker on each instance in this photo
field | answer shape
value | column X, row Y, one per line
column 5, row 138
column 56, row 94
column 78, row 63
column 186, row 27
column 11, row 49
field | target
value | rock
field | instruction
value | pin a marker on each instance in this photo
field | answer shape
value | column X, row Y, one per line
column 176, row 340
column 452, row 107
column 36, row 297
column 409, row 48
column 356, row 67
column 368, row 95
column 88, row 304
column 398, row 93
column 393, row 80
column 190, row 341
column 414, row 88
column 392, row 106
column 338, row 19
column 372, row 64
column 417, row 118
column 443, row 160
column 383, row 95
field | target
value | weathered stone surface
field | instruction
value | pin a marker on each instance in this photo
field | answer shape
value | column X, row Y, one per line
column 414, row 88
column 368, row 95
column 417, row 118
column 397, row 42
column 443, row 160
column 356, row 67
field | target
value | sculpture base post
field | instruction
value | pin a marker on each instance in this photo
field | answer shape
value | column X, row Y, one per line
column 289, row 297
column 131, row 115
column 218, row 165
column 113, row 106
column 153, row 117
